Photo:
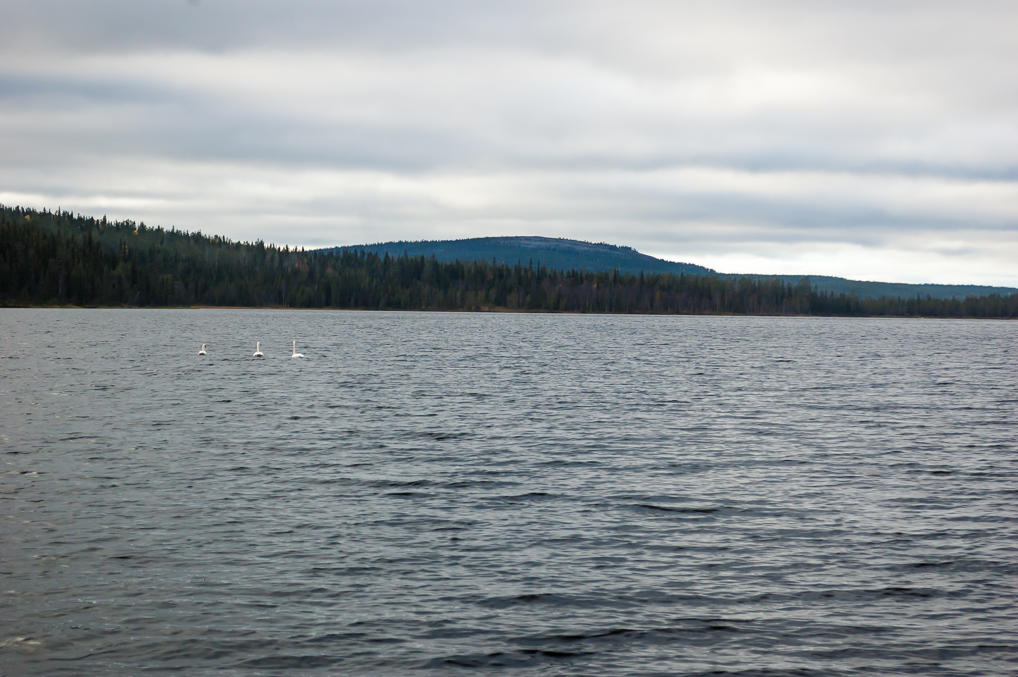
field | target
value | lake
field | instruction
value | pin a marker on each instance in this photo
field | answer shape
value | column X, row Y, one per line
column 554, row 494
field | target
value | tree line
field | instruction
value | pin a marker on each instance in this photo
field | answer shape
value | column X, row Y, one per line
column 58, row 258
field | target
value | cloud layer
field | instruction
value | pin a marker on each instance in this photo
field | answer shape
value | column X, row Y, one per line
column 861, row 139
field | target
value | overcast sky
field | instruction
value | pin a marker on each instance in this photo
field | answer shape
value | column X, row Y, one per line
column 871, row 140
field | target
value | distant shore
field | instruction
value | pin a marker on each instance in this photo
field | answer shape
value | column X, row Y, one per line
column 500, row 310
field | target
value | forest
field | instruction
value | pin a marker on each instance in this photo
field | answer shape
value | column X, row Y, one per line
column 62, row 259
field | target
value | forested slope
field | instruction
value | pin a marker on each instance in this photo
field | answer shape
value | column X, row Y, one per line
column 563, row 254
column 63, row 259
column 553, row 253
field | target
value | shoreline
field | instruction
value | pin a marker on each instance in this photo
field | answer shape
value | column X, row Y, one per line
column 497, row 310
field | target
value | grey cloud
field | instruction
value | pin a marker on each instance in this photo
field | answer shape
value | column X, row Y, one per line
column 789, row 123
column 167, row 118
column 217, row 25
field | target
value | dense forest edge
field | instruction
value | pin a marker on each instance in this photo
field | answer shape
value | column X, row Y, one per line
column 59, row 259
column 564, row 254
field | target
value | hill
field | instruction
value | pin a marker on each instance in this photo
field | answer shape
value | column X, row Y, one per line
column 563, row 254
column 555, row 253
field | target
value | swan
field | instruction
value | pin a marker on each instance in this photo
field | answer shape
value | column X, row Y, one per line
column 202, row 351
column 258, row 350
column 295, row 353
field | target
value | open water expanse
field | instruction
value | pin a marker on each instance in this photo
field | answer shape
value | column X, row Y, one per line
column 538, row 494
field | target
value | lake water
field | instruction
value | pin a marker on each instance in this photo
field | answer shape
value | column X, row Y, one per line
column 562, row 494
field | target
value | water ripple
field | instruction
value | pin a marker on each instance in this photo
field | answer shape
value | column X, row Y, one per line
column 434, row 493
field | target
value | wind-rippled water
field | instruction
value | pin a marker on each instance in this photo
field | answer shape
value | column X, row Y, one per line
column 559, row 494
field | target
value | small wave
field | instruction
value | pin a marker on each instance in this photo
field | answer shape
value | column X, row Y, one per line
column 570, row 463
column 481, row 484
column 302, row 662
column 708, row 626
column 583, row 636
column 500, row 659
column 398, row 484
column 527, row 496
column 526, row 598
column 850, row 594
column 18, row 642
column 931, row 565
column 442, row 436
column 678, row 509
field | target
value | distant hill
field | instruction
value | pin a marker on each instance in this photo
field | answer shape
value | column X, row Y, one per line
column 555, row 253
column 563, row 254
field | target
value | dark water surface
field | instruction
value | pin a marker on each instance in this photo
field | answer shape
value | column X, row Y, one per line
column 547, row 493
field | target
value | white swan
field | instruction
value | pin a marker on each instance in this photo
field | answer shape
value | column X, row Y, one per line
column 295, row 353
column 202, row 351
column 258, row 350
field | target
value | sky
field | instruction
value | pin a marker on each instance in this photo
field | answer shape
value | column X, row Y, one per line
column 869, row 140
